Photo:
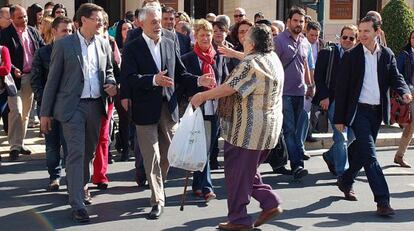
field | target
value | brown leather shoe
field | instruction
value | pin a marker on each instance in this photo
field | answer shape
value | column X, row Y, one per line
column 348, row 192
column 385, row 211
column 267, row 215
column 54, row 185
column 230, row 226
column 400, row 161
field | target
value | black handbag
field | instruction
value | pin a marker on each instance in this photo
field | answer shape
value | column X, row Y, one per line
column 278, row 156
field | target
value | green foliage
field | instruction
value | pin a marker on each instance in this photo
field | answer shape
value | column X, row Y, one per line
column 398, row 22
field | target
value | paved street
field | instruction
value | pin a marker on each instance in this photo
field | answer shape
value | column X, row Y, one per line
column 313, row 204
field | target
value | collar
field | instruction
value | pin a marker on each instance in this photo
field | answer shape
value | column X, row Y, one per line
column 84, row 40
column 376, row 51
column 412, row 49
column 289, row 35
column 148, row 40
column 19, row 29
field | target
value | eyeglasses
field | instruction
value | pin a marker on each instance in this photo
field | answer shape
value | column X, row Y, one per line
column 350, row 38
column 238, row 15
column 97, row 20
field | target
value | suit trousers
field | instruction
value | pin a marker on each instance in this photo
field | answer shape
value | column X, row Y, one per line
column 365, row 126
column 154, row 141
column 100, row 163
column 243, row 181
column 81, row 133
column 20, row 106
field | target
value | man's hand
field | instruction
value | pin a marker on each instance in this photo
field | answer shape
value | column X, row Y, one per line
column 407, row 98
column 340, row 127
column 324, row 104
column 162, row 80
column 207, row 80
column 310, row 92
column 45, row 124
column 197, row 99
column 110, row 89
column 17, row 73
column 126, row 103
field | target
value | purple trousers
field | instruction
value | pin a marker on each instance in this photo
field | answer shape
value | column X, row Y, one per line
column 243, row 181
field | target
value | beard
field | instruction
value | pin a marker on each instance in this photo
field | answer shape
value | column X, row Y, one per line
column 296, row 30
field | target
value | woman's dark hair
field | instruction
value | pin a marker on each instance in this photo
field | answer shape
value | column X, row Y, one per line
column 235, row 33
column 32, row 14
column 118, row 33
column 262, row 38
column 58, row 6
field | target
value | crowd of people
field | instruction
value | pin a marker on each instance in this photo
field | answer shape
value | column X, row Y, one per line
column 257, row 82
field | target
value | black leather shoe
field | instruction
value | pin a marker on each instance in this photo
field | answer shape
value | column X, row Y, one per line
column 299, row 172
column 156, row 212
column 102, row 186
column 14, row 155
column 306, row 156
column 80, row 216
column 25, row 151
column 282, row 170
column 331, row 167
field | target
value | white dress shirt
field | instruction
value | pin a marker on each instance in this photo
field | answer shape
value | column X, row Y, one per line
column 155, row 50
column 370, row 92
column 210, row 106
column 91, row 85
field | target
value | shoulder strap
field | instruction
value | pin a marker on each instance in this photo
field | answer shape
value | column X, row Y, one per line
column 330, row 64
column 293, row 58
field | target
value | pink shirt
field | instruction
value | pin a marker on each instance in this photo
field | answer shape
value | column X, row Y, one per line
column 28, row 48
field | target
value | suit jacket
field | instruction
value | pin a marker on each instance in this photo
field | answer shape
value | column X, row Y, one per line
column 350, row 81
column 184, row 42
column 405, row 64
column 135, row 33
column 40, row 70
column 11, row 40
column 320, row 74
column 137, row 71
column 192, row 64
column 65, row 80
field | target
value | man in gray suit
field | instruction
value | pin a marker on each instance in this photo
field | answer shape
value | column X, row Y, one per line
column 80, row 80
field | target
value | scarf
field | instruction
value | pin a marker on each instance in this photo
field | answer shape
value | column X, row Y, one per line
column 207, row 59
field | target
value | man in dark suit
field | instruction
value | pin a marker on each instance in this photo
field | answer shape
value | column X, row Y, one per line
column 168, row 22
column 61, row 27
column 22, row 41
column 336, row 156
column 76, row 94
column 363, row 102
column 150, row 69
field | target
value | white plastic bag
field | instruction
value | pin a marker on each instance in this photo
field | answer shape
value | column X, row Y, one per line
column 188, row 147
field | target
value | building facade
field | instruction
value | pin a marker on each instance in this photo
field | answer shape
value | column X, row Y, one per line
column 332, row 14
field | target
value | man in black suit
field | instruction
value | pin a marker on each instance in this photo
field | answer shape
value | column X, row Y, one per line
column 168, row 22
column 22, row 41
column 150, row 69
column 362, row 102
column 336, row 156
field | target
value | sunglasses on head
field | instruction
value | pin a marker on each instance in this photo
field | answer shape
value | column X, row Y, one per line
column 238, row 15
column 350, row 38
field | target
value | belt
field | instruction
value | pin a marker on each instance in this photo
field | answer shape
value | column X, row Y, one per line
column 370, row 106
column 90, row 99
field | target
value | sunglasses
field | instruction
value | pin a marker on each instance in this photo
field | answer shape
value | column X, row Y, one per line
column 350, row 38
column 238, row 15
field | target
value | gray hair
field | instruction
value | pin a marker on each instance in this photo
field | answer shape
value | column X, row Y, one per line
column 142, row 15
column 279, row 24
column 224, row 19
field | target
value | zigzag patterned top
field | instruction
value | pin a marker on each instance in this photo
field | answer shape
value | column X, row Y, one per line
column 257, row 116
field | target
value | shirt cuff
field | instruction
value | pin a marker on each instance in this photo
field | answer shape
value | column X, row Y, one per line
column 153, row 82
column 198, row 81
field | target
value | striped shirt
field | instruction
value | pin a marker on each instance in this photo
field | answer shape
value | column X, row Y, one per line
column 257, row 114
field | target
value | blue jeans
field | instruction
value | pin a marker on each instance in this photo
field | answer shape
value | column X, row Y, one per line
column 302, row 129
column 54, row 140
column 292, row 109
column 202, row 180
column 366, row 125
column 338, row 153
